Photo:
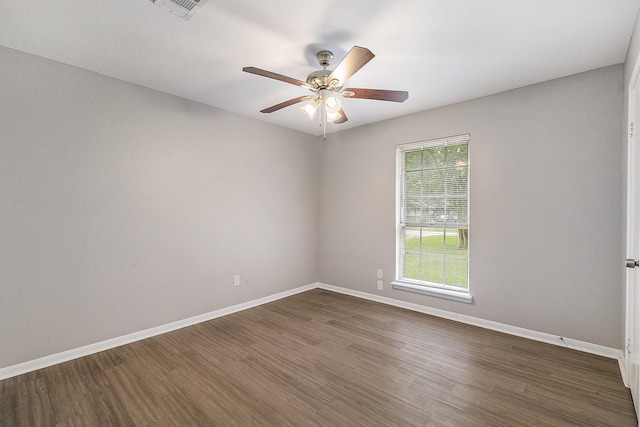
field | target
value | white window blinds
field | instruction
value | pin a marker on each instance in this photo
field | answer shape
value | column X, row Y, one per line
column 435, row 182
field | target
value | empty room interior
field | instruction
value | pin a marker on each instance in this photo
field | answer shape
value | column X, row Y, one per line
column 445, row 235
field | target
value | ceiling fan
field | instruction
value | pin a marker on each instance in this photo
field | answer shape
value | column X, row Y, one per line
column 326, row 84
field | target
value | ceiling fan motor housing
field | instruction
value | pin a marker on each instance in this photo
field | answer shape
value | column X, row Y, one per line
column 318, row 79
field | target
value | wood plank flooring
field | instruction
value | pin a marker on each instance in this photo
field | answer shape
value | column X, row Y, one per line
column 324, row 359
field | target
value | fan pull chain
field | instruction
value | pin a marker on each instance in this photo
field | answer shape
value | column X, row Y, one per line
column 324, row 122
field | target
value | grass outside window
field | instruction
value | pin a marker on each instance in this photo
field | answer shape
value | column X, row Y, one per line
column 425, row 250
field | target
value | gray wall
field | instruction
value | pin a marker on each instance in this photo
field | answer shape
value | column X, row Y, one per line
column 122, row 208
column 545, row 205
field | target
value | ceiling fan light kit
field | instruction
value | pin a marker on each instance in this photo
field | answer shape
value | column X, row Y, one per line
column 328, row 101
column 326, row 84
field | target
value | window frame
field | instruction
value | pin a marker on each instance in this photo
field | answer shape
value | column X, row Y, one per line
column 441, row 290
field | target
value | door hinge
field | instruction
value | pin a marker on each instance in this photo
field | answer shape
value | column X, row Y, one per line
column 629, row 346
column 631, row 130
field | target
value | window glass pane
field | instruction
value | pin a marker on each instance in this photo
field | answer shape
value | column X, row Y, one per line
column 412, row 266
column 456, row 272
column 433, row 158
column 428, row 211
column 456, row 181
column 412, row 239
column 413, row 210
column 456, row 261
column 433, row 269
column 457, row 210
column 413, row 160
column 457, row 242
column 413, row 183
column 456, row 155
column 438, row 210
column 432, row 241
column 433, row 182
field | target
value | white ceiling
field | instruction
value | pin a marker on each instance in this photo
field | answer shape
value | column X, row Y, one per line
column 442, row 52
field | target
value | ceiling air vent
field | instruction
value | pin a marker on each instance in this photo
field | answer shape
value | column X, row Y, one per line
column 182, row 8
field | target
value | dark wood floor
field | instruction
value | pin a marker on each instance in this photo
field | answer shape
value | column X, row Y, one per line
column 324, row 359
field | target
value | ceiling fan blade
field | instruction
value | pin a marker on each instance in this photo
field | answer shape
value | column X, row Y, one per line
column 377, row 94
column 343, row 118
column 275, row 76
column 350, row 64
column 285, row 104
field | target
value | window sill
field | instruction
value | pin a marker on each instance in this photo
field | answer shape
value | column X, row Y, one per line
column 434, row 292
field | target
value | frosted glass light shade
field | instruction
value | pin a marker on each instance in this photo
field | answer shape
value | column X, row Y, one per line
column 333, row 104
column 310, row 108
column 332, row 117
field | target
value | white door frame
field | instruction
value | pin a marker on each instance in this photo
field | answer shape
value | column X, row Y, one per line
column 632, row 338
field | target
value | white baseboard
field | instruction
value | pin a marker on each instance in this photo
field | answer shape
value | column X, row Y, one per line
column 622, row 363
column 583, row 346
column 65, row 356
column 43, row 362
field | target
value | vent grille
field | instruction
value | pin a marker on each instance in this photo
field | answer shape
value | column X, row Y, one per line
column 182, row 8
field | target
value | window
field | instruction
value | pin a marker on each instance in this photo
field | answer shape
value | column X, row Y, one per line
column 433, row 218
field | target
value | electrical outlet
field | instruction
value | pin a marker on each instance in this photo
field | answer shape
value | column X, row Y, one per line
column 380, row 286
column 236, row 280
column 380, row 276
